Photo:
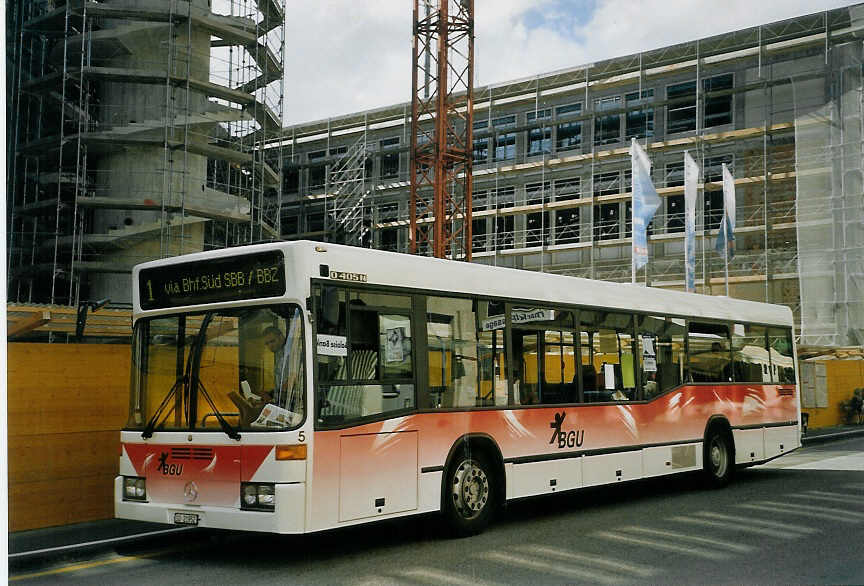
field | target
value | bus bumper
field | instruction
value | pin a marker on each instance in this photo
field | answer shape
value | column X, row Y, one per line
column 289, row 516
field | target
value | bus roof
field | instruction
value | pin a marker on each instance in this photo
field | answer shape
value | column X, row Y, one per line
column 375, row 267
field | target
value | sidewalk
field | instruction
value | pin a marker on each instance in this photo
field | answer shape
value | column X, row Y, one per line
column 107, row 534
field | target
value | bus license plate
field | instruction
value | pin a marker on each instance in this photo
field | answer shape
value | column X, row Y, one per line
column 185, row 518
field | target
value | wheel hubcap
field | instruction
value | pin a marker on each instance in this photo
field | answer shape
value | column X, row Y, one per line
column 470, row 489
column 718, row 458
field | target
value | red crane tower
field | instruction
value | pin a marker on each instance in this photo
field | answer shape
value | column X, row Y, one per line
column 441, row 128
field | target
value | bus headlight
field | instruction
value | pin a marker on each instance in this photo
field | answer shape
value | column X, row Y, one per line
column 266, row 496
column 134, row 488
column 250, row 495
column 257, row 496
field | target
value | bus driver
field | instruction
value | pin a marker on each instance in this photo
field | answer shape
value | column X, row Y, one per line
column 250, row 406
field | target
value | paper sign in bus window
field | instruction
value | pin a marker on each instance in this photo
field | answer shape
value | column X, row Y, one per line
column 393, row 351
column 649, row 354
column 609, row 376
column 329, row 345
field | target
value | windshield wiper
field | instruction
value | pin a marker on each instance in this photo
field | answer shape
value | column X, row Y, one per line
column 190, row 382
column 226, row 427
column 181, row 382
column 152, row 423
column 195, row 384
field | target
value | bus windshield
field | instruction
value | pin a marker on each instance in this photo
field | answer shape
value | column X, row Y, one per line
column 224, row 370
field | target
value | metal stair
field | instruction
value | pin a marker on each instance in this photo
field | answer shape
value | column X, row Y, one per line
column 348, row 196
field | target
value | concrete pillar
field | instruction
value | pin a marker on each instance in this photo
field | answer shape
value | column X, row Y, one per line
column 154, row 113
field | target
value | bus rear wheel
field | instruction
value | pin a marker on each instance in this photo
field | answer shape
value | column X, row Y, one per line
column 470, row 494
column 718, row 458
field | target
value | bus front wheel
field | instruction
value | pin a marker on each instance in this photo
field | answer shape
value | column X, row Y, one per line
column 470, row 493
column 718, row 458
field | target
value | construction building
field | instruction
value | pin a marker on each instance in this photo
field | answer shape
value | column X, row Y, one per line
column 140, row 130
column 780, row 104
column 132, row 134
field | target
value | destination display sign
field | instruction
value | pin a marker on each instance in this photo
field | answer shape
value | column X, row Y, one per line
column 232, row 278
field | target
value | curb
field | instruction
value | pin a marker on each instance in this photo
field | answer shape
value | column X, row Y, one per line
column 90, row 546
column 827, row 437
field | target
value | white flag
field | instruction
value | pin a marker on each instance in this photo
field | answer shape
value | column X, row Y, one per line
column 645, row 203
column 691, row 181
column 726, row 235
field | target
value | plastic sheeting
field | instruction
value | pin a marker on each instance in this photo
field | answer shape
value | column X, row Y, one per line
column 830, row 205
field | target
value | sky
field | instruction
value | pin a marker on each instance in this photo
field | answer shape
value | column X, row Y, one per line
column 345, row 56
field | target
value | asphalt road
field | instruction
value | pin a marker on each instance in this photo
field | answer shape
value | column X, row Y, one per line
column 799, row 519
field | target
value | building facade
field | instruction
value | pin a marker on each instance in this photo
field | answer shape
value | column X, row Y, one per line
column 780, row 104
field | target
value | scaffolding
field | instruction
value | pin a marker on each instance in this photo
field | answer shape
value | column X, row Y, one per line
column 551, row 170
column 134, row 134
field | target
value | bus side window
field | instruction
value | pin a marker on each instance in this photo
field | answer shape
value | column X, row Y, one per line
column 559, row 368
column 453, row 352
column 332, row 331
column 709, row 353
column 782, row 360
column 660, row 346
column 749, row 354
column 491, row 357
column 373, row 370
column 608, row 349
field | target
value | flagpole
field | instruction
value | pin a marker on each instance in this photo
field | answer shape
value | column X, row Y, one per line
column 632, row 214
column 726, row 250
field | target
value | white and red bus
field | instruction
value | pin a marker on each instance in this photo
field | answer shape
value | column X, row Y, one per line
column 297, row 387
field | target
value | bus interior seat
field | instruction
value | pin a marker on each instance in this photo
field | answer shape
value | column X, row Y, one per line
column 589, row 377
column 356, row 400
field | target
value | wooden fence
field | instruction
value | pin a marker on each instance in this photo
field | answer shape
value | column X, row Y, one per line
column 66, row 404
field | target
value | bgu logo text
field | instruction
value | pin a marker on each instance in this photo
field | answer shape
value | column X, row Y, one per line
column 168, row 469
column 565, row 439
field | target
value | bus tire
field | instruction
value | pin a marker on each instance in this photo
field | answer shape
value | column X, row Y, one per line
column 718, row 461
column 470, row 493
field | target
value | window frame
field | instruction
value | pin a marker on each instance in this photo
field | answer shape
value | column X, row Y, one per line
column 316, row 288
column 717, row 100
column 604, row 123
column 389, row 154
column 639, row 107
column 541, row 134
column 682, row 103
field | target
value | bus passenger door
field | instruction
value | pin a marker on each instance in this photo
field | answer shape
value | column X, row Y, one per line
column 378, row 474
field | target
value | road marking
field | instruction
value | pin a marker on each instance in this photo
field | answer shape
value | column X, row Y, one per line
column 377, row 580
column 435, row 576
column 835, row 497
column 589, row 574
column 736, row 547
column 738, row 528
column 827, row 510
column 655, row 544
column 612, row 564
column 807, row 511
column 85, row 566
column 743, row 523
